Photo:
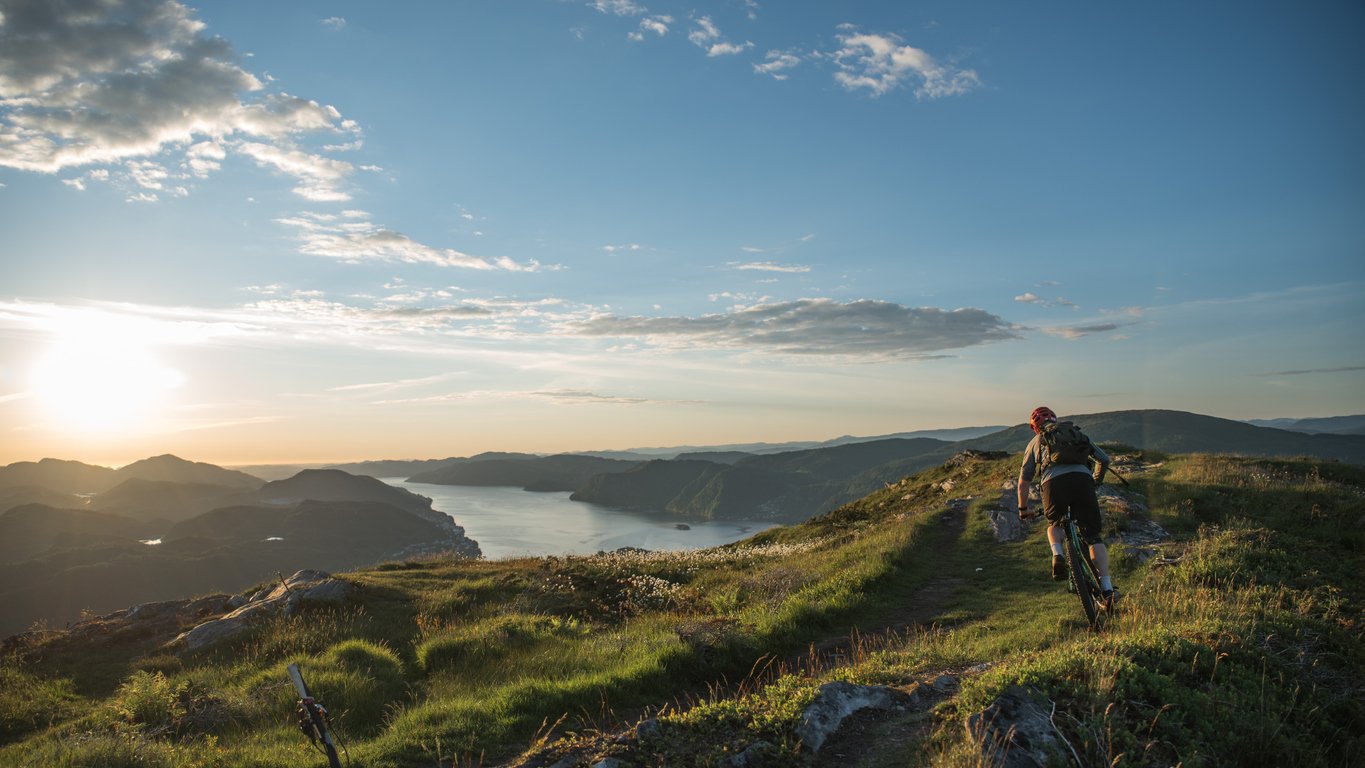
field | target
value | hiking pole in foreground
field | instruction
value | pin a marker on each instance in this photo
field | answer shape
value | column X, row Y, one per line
column 313, row 719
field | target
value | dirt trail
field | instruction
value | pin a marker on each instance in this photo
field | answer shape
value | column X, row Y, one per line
column 901, row 610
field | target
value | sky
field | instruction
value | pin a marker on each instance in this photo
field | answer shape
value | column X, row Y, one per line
column 260, row 232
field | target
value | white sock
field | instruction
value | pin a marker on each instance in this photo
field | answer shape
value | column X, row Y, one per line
column 1058, row 549
column 1106, row 583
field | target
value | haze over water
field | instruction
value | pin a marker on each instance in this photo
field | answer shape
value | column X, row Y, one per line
column 510, row 522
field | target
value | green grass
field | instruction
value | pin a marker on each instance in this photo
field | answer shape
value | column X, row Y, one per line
column 1247, row 649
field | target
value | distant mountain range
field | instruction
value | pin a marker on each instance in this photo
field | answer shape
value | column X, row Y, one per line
column 1334, row 425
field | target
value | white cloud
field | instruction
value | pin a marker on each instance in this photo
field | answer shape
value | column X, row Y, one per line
column 119, row 81
column 881, row 64
column 618, row 248
column 777, row 63
column 768, row 266
column 334, row 22
column 619, row 7
column 78, row 184
column 707, row 36
column 865, row 329
column 320, row 177
column 656, row 24
column 353, row 238
column 1028, row 298
column 205, row 157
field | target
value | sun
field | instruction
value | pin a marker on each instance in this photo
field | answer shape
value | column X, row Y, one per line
column 101, row 378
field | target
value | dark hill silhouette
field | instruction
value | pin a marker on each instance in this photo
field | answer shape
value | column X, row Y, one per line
column 336, row 485
column 1336, row 425
column 31, row 530
column 358, row 525
column 410, row 467
column 564, row 472
column 162, row 500
column 844, row 461
column 1182, row 432
column 20, row 495
column 59, row 475
column 650, row 486
column 786, row 487
column 173, row 469
column 76, row 560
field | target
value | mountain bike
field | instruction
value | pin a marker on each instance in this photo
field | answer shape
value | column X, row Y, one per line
column 313, row 720
column 1082, row 575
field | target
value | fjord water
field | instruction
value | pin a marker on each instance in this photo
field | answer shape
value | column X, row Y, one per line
column 510, row 522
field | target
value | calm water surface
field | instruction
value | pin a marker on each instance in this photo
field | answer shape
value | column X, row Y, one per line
column 509, row 522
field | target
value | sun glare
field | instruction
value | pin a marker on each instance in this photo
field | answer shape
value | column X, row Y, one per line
column 99, row 378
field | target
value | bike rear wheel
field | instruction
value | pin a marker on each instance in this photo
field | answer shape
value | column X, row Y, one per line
column 1083, row 581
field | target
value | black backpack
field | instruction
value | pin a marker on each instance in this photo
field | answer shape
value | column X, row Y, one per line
column 1063, row 443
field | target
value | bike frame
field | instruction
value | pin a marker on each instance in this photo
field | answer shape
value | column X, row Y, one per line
column 314, row 719
column 1084, row 576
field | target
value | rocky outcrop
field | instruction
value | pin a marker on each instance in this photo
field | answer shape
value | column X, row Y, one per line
column 836, row 701
column 304, row 587
column 1016, row 730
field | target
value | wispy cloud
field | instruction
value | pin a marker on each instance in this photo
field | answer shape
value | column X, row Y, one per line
column 124, row 80
column 768, row 266
column 352, row 237
column 777, row 64
column 334, row 22
column 1346, row 369
column 706, row 35
column 622, row 247
column 389, row 386
column 655, row 24
column 881, row 63
column 568, row 397
column 1080, row 331
column 619, row 7
column 865, row 329
column 1030, row 297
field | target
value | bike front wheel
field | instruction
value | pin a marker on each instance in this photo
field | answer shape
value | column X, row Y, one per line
column 1083, row 581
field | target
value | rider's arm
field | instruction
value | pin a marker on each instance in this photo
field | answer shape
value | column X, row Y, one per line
column 1101, row 462
column 1026, row 471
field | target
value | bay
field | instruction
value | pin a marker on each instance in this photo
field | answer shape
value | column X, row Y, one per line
column 510, row 522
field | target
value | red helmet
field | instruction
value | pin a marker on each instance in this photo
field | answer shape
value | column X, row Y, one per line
column 1040, row 416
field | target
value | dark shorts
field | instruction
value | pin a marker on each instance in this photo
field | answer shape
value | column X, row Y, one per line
column 1074, row 492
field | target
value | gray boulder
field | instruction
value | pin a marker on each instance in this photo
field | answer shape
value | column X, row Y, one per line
column 836, row 701
column 304, row 587
column 1016, row 730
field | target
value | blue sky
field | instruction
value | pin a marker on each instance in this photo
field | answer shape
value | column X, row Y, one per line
column 251, row 231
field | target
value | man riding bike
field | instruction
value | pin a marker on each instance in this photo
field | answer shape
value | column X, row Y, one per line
column 1067, row 487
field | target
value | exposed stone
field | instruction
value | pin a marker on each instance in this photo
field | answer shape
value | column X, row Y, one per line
column 945, row 684
column 648, row 729
column 1016, row 730
column 608, row 762
column 753, row 756
column 306, row 586
column 836, row 701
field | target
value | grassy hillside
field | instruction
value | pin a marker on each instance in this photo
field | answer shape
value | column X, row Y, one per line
column 1238, row 643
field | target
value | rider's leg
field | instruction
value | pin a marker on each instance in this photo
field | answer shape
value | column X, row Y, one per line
column 1100, row 554
column 1056, row 537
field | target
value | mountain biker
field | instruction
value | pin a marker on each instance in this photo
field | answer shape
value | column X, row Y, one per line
column 1067, row 487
